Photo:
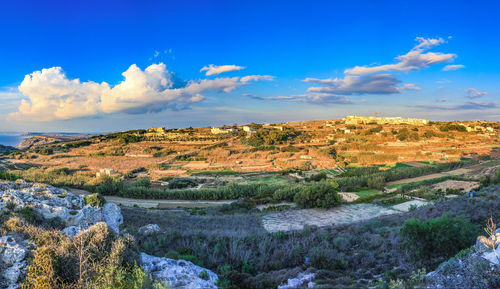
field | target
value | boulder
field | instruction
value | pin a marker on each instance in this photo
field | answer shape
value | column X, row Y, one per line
column 85, row 217
column 299, row 282
column 112, row 215
column 13, row 257
column 71, row 231
column 178, row 273
column 149, row 229
column 492, row 257
column 51, row 202
column 480, row 244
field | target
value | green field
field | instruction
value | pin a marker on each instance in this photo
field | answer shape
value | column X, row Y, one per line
column 367, row 192
column 272, row 180
column 211, row 173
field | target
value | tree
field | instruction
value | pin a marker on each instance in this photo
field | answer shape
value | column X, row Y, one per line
column 323, row 195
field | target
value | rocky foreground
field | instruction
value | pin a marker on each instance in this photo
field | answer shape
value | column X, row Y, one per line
column 77, row 217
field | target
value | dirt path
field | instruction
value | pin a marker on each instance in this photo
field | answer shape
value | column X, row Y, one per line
column 162, row 204
column 417, row 179
column 486, row 166
column 416, row 164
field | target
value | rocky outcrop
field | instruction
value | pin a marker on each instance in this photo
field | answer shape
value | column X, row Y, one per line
column 299, row 282
column 36, row 140
column 12, row 261
column 51, row 202
column 149, row 229
column 471, row 270
column 178, row 273
column 489, row 247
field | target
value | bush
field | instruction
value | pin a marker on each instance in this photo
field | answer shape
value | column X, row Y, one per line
column 376, row 182
column 181, row 184
column 323, row 195
column 496, row 177
column 142, row 182
column 108, row 186
column 317, row 177
column 437, row 239
column 44, row 151
column 96, row 200
column 290, row 148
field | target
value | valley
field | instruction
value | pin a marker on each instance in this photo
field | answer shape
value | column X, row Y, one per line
column 303, row 190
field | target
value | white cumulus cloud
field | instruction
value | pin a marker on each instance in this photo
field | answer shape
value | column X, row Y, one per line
column 218, row 69
column 50, row 95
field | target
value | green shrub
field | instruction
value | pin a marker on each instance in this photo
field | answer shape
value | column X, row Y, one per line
column 203, row 275
column 96, row 200
column 44, row 151
column 142, row 182
column 240, row 206
column 317, row 177
column 7, row 176
column 10, row 205
column 286, row 193
column 323, row 195
column 108, row 186
column 376, row 182
column 439, row 238
column 290, row 148
column 29, row 215
column 181, row 183
column 496, row 177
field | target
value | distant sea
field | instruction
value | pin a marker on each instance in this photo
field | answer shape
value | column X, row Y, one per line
column 11, row 139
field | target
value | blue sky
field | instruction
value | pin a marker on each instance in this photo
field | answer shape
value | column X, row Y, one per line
column 273, row 61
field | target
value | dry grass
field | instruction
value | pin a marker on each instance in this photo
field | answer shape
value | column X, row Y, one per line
column 360, row 147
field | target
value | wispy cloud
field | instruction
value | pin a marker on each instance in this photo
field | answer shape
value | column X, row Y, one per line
column 413, row 60
column 469, row 105
column 451, row 67
column 381, row 79
column 311, row 98
column 474, row 93
column 218, row 69
column 51, row 95
column 367, row 84
column 9, row 95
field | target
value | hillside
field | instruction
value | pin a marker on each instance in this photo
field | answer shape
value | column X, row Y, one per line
column 305, row 145
column 41, row 139
column 6, row 149
column 321, row 204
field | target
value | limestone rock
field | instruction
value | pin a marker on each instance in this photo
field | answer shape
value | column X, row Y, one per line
column 85, row 217
column 112, row 215
column 71, row 231
column 492, row 257
column 480, row 241
column 178, row 273
column 149, row 229
column 298, row 282
column 13, row 256
column 471, row 270
column 51, row 202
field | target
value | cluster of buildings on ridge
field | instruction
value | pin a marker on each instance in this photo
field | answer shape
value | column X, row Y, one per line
column 348, row 120
column 245, row 128
column 353, row 119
